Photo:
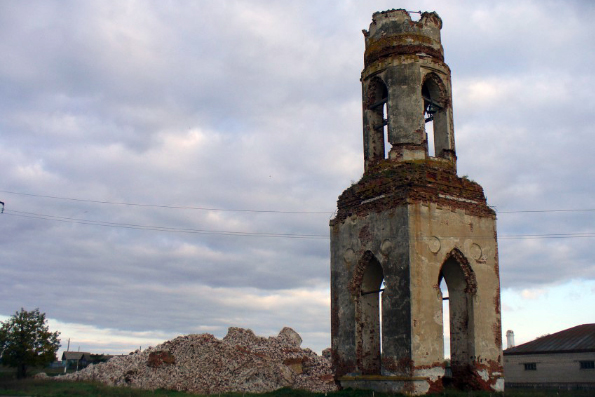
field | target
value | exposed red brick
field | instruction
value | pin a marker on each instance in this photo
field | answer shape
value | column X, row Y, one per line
column 158, row 358
column 401, row 183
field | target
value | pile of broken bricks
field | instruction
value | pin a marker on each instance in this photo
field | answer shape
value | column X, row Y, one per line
column 240, row 362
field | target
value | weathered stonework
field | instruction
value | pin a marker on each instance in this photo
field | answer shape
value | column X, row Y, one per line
column 406, row 225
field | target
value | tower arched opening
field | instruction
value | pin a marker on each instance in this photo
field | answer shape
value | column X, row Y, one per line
column 376, row 120
column 369, row 315
column 435, row 116
column 461, row 284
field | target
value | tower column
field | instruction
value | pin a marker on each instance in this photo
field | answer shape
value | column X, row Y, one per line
column 406, row 123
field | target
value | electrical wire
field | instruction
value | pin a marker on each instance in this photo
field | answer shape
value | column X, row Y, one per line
column 161, row 228
column 275, row 235
column 165, row 206
column 254, row 210
column 541, row 211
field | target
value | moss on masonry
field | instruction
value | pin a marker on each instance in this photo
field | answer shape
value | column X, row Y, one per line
column 388, row 184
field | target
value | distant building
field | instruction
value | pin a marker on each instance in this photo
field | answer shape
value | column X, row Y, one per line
column 565, row 359
column 82, row 359
column 76, row 359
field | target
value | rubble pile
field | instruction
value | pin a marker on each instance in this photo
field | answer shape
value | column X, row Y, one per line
column 240, row 362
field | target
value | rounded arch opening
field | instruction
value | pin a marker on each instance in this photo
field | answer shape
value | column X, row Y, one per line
column 434, row 97
column 376, row 119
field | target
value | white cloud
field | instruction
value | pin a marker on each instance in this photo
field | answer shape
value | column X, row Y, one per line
column 257, row 105
column 532, row 293
column 547, row 310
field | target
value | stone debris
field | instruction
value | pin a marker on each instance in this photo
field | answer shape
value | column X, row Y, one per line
column 240, row 362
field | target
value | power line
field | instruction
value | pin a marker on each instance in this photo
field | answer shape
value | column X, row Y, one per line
column 165, row 206
column 275, row 235
column 546, row 236
column 160, row 228
column 540, row 211
column 254, row 210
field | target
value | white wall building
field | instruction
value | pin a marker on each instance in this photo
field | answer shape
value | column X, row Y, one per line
column 565, row 359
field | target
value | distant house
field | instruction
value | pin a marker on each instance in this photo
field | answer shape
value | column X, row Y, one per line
column 101, row 358
column 565, row 359
column 76, row 359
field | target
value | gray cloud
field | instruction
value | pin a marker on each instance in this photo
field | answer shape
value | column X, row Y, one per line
column 256, row 105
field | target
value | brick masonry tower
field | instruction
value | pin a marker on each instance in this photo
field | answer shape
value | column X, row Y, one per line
column 410, row 224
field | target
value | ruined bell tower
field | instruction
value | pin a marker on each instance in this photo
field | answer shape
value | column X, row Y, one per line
column 410, row 224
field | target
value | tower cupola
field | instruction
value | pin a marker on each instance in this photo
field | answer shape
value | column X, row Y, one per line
column 406, row 86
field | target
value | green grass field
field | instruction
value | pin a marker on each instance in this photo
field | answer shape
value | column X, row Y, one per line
column 10, row 386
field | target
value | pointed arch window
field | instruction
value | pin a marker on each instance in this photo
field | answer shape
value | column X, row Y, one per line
column 368, row 288
column 461, row 285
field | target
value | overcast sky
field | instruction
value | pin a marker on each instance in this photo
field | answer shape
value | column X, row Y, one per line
column 231, row 127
